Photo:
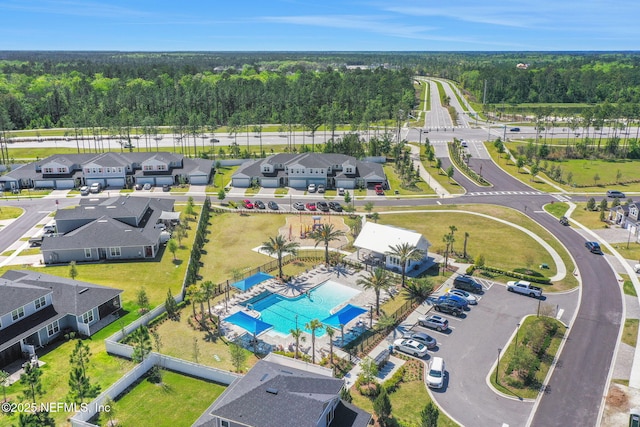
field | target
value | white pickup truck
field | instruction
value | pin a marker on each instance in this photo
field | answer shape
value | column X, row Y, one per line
column 525, row 288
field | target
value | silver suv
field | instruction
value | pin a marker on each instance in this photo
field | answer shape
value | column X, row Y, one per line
column 436, row 322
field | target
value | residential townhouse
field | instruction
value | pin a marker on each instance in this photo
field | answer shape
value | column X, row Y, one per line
column 36, row 308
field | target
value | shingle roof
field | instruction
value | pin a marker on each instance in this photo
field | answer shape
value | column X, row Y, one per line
column 14, row 295
column 273, row 395
column 69, row 297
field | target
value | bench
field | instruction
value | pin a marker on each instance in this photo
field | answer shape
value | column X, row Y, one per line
column 382, row 358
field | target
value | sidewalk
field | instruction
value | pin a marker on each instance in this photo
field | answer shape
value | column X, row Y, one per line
column 425, row 175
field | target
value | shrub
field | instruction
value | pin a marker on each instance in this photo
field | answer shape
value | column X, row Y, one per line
column 535, row 279
column 470, row 269
column 392, row 383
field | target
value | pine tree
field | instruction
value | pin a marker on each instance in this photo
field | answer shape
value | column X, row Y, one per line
column 382, row 407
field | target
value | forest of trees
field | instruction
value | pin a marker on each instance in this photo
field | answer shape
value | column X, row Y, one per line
column 235, row 89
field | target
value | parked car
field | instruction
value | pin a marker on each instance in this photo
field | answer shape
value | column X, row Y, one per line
column 471, row 299
column 311, row 188
column 448, row 306
column 259, row 204
column 379, row 190
column 436, row 322
column 299, row 206
column 422, row 338
column 166, row 188
column 460, row 301
column 321, row 188
column 514, row 130
column 594, row 247
column 467, row 283
column 410, row 347
column 311, row 206
column 138, row 186
column 147, row 186
column 437, row 373
column 335, row 206
column 636, row 268
column 323, row 206
column 95, row 187
column 464, row 144
column 247, row 204
column 49, row 229
column 615, row 194
column 84, row 190
column 340, row 191
column 273, row 205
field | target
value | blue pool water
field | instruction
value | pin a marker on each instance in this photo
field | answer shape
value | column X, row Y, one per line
column 252, row 280
column 281, row 312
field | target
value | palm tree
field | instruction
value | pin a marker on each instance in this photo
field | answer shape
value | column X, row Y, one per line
column 192, row 292
column 312, row 326
column 448, row 240
column 326, row 234
column 207, row 288
column 4, row 376
column 378, row 280
column 330, row 333
column 405, row 252
column 297, row 334
column 279, row 246
column 464, row 251
column 453, row 229
column 418, row 290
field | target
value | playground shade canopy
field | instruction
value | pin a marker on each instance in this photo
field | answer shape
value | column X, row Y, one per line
column 344, row 315
column 248, row 323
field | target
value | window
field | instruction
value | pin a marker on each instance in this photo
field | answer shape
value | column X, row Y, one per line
column 148, row 167
column 224, row 423
column 119, row 170
column 115, row 252
column 99, row 170
column 87, row 170
column 53, row 328
column 40, row 302
column 87, row 252
column 18, row 313
column 162, row 167
column 88, row 317
column 108, row 170
column 62, row 170
column 48, row 170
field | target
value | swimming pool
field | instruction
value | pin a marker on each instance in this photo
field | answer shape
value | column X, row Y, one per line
column 252, row 280
column 281, row 311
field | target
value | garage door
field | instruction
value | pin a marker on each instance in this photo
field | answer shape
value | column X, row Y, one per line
column 298, row 183
column 43, row 184
column 198, row 179
column 161, row 180
column 62, row 184
column 115, row 182
column 143, row 181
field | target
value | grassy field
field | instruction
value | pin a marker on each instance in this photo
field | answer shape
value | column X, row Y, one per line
column 628, row 287
column 505, row 374
column 395, row 183
column 557, row 209
column 502, row 254
column 222, row 178
column 179, row 401
column 630, row 332
column 590, row 219
column 178, row 341
column 438, row 174
column 10, row 212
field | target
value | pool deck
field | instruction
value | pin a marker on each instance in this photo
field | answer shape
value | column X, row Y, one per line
column 299, row 286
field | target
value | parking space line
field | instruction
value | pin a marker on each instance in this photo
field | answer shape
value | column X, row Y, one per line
column 560, row 313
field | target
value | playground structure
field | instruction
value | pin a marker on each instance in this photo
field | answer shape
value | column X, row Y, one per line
column 300, row 227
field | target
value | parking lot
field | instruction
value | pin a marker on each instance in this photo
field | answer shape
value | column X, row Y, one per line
column 470, row 350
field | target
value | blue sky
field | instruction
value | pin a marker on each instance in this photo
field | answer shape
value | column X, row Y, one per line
column 296, row 25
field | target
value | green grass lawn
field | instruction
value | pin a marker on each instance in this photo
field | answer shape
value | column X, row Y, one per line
column 509, row 167
column 178, row 341
column 221, row 179
column 10, row 212
column 7, row 253
column 630, row 332
column 407, row 401
column 30, row 251
column 590, row 219
column 557, row 209
column 395, row 183
column 179, row 401
column 505, row 374
column 507, row 242
column 438, row 174
column 628, row 287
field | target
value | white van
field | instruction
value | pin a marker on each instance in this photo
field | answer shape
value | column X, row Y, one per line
column 95, row 187
column 436, row 374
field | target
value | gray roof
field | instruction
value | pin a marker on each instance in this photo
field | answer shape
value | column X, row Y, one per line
column 16, row 295
column 109, row 159
column 274, row 395
column 70, row 297
column 105, row 229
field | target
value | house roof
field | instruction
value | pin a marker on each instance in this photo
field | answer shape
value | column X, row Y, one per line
column 274, row 393
column 69, row 297
column 109, row 159
column 379, row 238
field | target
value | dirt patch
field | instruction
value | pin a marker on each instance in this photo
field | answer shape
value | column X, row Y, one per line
column 618, row 399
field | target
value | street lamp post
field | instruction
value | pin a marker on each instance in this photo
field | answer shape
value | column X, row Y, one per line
column 517, row 330
column 498, row 365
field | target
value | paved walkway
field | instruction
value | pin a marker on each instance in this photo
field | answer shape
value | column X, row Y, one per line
column 425, row 175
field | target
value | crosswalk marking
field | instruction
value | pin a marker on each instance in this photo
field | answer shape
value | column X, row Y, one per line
column 561, row 198
column 504, row 193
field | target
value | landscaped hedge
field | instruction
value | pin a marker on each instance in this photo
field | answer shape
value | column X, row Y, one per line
column 455, row 154
column 534, row 279
column 199, row 240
